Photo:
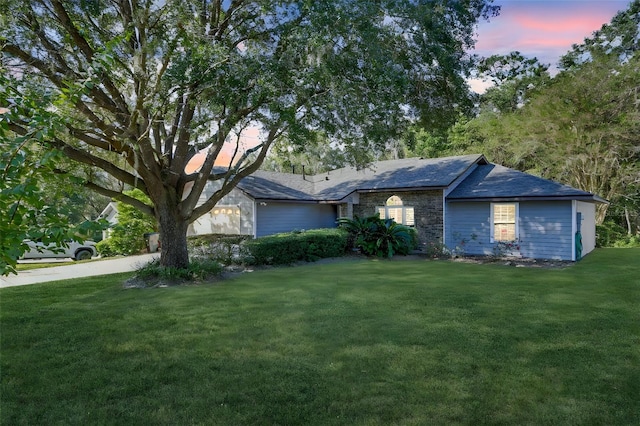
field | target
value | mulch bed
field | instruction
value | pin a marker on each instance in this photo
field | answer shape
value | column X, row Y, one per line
column 235, row 270
column 517, row 262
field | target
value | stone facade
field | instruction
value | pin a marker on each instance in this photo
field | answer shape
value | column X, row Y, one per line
column 428, row 211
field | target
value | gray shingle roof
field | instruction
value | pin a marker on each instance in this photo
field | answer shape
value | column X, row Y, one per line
column 486, row 182
column 278, row 186
column 411, row 173
column 492, row 181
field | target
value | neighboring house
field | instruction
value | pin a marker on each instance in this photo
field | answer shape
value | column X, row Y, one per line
column 110, row 214
column 463, row 202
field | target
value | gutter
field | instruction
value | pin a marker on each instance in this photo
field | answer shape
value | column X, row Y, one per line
column 588, row 198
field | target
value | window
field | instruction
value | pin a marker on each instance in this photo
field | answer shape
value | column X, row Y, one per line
column 394, row 209
column 504, row 222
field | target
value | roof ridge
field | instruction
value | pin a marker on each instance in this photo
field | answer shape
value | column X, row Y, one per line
column 386, row 175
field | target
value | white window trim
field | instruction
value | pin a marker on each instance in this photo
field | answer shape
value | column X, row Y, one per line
column 492, row 222
column 404, row 213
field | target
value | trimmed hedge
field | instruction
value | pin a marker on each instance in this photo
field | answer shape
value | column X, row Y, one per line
column 223, row 248
column 287, row 248
column 201, row 240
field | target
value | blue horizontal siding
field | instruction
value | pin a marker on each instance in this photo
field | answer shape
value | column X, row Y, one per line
column 284, row 217
column 545, row 229
column 468, row 229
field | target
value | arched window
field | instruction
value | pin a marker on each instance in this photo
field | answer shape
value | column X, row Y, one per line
column 396, row 210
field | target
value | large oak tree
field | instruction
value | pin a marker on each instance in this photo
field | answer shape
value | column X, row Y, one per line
column 134, row 88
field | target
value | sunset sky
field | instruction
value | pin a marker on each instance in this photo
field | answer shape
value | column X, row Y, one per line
column 545, row 29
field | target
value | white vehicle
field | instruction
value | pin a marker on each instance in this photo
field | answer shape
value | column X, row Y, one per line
column 74, row 250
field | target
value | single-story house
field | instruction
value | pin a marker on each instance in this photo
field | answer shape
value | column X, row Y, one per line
column 462, row 202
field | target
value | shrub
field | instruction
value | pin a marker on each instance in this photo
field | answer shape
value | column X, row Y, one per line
column 198, row 269
column 380, row 237
column 222, row 248
column 505, row 248
column 608, row 233
column 627, row 241
column 127, row 236
column 437, row 250
column 106, row 249
column 287, row 248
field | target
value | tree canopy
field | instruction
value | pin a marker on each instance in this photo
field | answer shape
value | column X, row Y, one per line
column 134, row 88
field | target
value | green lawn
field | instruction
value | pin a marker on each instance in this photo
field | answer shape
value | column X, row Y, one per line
column 367, row 342
column 46, row 263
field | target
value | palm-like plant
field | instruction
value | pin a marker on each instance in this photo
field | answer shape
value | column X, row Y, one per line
column 379, row 237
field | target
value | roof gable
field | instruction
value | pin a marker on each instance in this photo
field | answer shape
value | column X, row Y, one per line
column 492, row 181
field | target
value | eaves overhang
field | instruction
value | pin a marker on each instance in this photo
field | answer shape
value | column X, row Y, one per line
column 586, row 198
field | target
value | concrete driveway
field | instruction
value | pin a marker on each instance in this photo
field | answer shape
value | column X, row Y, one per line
column 86, row 269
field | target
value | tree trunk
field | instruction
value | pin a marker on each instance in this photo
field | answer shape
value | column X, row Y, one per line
column 628, row 219
column 601, row 213
column 173, row 236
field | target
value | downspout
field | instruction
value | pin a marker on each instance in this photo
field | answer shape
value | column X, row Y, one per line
column 574, row 228
column 444, row 218
column 578, row 236
column 255, row 219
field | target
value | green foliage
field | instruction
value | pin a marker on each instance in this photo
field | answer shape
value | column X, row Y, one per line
column 315, row 155
column 106, row 248
column 380, row 237
column 134, row 88
column 291, row 247
column 222, row 248
column 426, row 144
column 610, row 234
column 198, row 269
column 619, row 39
column 30, row 207
column 127, row 236
column 515, row 77
column 628, row 241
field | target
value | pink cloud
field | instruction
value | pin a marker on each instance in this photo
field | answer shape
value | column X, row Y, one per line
column 249, row 138
column 544, row 29
column 583, row 23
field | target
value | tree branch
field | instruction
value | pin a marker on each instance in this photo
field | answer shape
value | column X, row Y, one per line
column 235, row 174
column 92, row 160
column 119, row 196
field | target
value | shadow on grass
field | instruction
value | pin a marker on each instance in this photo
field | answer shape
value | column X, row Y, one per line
column 362, row 342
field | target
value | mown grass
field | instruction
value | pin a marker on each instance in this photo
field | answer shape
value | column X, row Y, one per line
column 356, row 343
column 27, row 266
column 40, row 265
